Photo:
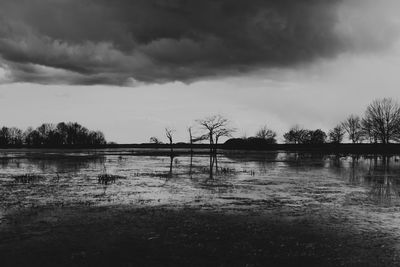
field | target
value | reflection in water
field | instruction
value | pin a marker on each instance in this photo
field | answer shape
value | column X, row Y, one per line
column 53, row 163
column 191, row 164
column 305, row 160
column 380, row 173
column 264, row 161
column 222, row 178
column 171, row 158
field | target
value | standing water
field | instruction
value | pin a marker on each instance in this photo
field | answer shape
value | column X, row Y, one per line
column 360, row 193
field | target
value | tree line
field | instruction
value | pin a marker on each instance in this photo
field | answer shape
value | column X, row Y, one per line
column 379, row 124
column 49, row 134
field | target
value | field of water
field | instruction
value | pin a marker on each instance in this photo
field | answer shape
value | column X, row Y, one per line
column 237, row 179
column 359, row 194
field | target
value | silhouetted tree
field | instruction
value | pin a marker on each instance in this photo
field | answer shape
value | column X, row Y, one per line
column 25, row 136
column 215, row 125
column 15, row 136
column 190, row 138
column 382, row 119
column 96, row 138
column 70, row 133
column 367, row 131
column 315, row 137
column 222, row 132
column 32, row 137
column 4, row 136
column 296, row 135
column 194, row 139
column 336, row 134
column 63, row 130
column 168, row 133
column 352, row 125
column 266, row 134
column 45, row 131
column 154, row 140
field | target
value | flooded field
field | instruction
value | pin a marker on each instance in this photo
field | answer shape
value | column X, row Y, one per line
column 348, row 200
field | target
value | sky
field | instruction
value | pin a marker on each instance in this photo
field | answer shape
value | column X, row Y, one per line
column 130, row 68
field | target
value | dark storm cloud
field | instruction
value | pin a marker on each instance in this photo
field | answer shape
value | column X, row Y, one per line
column 109, row 42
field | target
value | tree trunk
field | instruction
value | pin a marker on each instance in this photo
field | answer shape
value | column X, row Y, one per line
column 211, row 142
column 170, row 166
column 191, row 141
column 211, row 166
column 191, row 166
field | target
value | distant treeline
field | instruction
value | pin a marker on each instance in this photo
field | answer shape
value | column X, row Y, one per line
column 51, row 135
column 380, row 124
column 239, row 144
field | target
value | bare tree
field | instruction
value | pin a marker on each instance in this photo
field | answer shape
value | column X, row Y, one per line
column 194, row 139
column 216, row 127
column 15, row 136
column 190, row 128
column 265, row 133
column 352, row 125
column 367, row 131
column 383, row 118
column 336, row 134
column 223, row 132
column 154, row 140
column 296, row 135
column 169, row 133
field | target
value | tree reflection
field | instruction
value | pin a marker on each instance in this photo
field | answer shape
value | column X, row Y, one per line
column 355, row 176
column 191, row 164
column 54, row 163
column 211, row 169
column 384, row 187
column 171, row 158
column 381, row 173
column 263, row 160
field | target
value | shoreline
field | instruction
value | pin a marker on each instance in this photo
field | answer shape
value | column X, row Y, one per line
column 204, row 148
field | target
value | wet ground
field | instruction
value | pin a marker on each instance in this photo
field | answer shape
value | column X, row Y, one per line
column 253, row 209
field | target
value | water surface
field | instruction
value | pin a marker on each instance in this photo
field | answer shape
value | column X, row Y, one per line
column 239, row 180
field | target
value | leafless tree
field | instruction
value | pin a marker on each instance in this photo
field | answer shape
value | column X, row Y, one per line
column 383, row 118
column 336, row 134
column 154, row 140
column 194, row 139
column 216, row 127
column 352, row 126
column 367, row 131
column 296, row 135
column 265, row 133
column 189, row 129
column 223, row 132
column 169, row 134
column 16, row 136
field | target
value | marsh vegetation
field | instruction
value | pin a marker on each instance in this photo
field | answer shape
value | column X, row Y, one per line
column 244, row 208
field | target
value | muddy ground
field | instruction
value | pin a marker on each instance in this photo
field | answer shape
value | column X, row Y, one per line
column 124, row 236
column 276, row 209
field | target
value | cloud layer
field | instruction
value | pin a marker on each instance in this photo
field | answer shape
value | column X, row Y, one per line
column 124, row 42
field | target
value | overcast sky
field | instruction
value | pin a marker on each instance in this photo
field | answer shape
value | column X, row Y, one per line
column 132, row 67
